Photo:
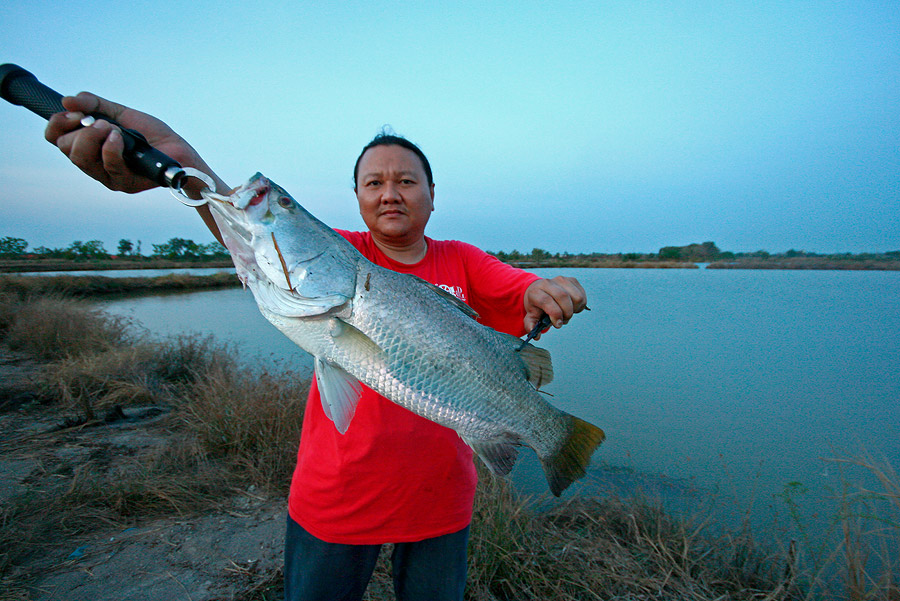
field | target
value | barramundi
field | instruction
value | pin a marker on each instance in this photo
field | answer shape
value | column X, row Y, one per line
column 407, row 339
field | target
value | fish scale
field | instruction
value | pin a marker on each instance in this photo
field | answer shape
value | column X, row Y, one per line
column 409, row 341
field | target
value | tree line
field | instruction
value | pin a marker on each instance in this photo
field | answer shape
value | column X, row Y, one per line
column 704, row 252
column 175, row 248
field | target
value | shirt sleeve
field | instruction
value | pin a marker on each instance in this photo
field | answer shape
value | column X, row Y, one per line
column 497, row 290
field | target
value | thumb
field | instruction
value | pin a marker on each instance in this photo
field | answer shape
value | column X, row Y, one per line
column 85, row 102
column 532, row 316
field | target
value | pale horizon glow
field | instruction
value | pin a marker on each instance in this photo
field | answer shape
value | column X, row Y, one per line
column 588, row 127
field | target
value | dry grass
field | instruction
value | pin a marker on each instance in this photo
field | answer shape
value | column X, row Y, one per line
column 865, row 563
column 86, row 286
column 610, row 548
column 224, row 429
column 252, row 418
column 227, row 428
column 51, row 328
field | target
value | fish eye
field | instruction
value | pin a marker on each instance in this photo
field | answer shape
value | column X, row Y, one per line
column 284, row 201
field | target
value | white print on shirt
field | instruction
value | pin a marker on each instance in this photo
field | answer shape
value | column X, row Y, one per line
column 455, row 291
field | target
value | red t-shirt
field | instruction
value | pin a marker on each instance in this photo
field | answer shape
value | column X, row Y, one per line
column 395, row 476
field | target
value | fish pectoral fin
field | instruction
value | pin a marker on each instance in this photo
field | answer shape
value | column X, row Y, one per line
column 353, row 339
column 339, row 392
column 498, row 455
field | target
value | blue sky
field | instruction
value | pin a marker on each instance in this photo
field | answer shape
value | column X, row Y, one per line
column 569, row 126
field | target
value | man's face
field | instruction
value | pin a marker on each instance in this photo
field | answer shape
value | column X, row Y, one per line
column 395, row 199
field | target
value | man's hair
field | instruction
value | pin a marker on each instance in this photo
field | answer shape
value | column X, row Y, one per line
column 388, row 138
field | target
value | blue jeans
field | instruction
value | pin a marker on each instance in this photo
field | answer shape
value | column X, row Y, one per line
column 430, row 570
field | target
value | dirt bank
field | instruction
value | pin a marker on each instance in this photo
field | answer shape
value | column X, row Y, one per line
column 233, row 552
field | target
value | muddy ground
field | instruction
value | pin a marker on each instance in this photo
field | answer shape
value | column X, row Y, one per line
column 231, row 553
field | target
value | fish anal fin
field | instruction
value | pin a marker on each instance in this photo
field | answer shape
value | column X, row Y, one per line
column 339, row 392
column 499, row 456
column 570, row 462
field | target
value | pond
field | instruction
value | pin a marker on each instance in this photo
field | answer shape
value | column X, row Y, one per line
column 728, row 387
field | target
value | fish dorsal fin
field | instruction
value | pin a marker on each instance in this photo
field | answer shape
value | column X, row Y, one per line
column 339, row 392
column 537, row 362
column 447, row 296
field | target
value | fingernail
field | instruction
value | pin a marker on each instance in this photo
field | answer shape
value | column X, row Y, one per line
column 75, row 116
column 559, row 323
column 114, row 135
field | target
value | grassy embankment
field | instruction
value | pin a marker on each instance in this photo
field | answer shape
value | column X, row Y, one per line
column 231, row 429
column 19, row 265
column 87, row 286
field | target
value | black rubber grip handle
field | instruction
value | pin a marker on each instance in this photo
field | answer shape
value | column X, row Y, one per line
column 21, row 88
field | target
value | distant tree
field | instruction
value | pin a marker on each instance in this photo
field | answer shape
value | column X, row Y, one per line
column 92, row 249
column 538, row 254
column 214, row 250
column 12, row 247
column 670, row 253
column 125, row 247
column 177, row 248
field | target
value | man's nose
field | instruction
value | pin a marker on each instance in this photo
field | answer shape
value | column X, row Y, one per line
column 390, row 193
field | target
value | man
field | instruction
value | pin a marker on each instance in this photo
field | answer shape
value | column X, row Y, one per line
column 393, row 477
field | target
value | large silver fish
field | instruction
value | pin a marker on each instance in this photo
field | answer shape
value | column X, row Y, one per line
column 409, row 340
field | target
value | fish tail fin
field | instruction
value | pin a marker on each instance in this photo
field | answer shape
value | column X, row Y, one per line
column 571, row 460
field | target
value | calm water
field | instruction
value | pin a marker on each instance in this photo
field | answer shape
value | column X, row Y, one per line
column 709, row 384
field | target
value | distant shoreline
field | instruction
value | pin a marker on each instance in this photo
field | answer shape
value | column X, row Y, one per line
column 13, row 266
column 39, row 265
column 794, row 263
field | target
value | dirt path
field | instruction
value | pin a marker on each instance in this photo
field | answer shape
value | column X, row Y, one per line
column 219, row 556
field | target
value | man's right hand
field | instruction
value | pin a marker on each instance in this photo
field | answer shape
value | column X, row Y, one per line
column 97, row 149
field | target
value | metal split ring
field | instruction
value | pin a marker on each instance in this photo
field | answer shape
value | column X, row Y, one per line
column 179, row 193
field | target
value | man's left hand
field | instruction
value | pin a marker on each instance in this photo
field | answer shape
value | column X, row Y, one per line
column 560, row 298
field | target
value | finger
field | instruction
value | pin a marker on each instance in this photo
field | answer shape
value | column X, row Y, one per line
column 97, row 151
column 83, row 149
column 532, row 317
column 119, row 174
column 574, row 290
column 560, row 305
column 86, row 102
column 60, row 124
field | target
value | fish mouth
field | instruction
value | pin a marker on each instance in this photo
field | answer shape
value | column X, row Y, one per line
column 234, row 209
